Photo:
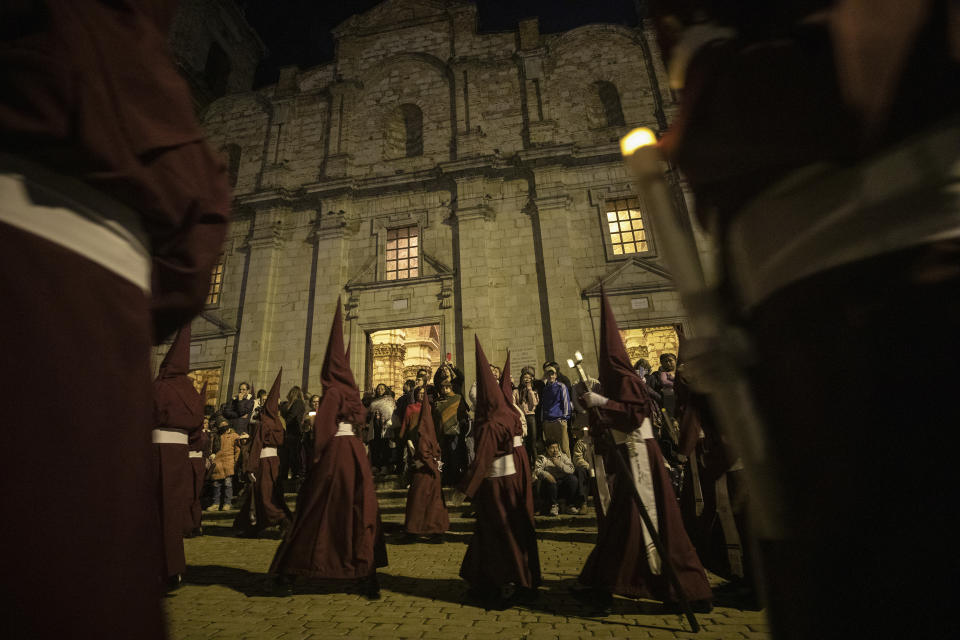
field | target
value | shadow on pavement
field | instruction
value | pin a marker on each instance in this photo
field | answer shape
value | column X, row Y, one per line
column 246, row 582
column 555, row 598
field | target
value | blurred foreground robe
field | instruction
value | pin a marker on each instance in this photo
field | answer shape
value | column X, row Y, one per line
column 178, row 414
column 336, row 531
column 113, row 213
column 425, row 512
column 502, row 551
column 264, row 497
column 624, row 561
column 829, row 182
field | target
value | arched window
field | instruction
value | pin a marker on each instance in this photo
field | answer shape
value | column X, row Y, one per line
column 404, row 132
column 610, row 102
column 231, row 154
column 217, row 70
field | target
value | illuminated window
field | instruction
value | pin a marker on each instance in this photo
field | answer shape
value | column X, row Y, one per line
column 216, row 283
column 403, row 253
column 625, row 226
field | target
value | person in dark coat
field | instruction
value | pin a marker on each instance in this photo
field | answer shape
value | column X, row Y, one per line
column 178, row 414
column 264, row 505
column 501, row 564
column 425, row 512
column 336, row 532
column 624, row 560
column 240, row 408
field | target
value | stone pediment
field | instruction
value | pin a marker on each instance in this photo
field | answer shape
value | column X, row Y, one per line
column 636, row 275
column 431, row 269
column 209, row 325
column 390, row 14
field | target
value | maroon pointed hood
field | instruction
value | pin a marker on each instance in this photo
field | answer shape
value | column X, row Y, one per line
column 177, row 404
column 426, row 429
column 505, row 384
column 271, row 408
column 491, row 410
column 617, row 377
column 336, row 373
column 177, row 360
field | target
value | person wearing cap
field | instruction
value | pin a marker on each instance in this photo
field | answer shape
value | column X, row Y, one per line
column 178, row 413
column 425, row 513
column 556, row 407
column 625, row 560
column 264, row 501
column 336, row 532
column 501, row 564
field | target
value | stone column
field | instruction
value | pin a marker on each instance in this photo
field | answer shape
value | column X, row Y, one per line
column 474, row 224
column 253, row 343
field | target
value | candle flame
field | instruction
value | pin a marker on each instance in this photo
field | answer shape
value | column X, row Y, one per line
column 570, row 363
column 642, row 137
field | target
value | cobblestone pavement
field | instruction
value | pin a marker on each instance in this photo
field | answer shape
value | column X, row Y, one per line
column 226, row 593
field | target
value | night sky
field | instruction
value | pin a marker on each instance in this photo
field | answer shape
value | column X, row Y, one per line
column 298, row 31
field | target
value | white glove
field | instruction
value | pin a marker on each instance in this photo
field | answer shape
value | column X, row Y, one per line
column 439, row 465
column 591, row 400
column 253, row 478
column 457, row 498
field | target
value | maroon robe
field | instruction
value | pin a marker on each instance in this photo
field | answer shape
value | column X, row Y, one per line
column 520, row 458
column 265, row 495
column 336, row 531
column 618, row 562
column 178, row 409
column 93, row 550
column 199, row 441
column 426, row 512
column 503, row 548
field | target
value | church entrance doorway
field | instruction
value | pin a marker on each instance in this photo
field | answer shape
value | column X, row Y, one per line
column 395, row 355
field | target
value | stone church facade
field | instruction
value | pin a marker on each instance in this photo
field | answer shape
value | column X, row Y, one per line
column 443, row 183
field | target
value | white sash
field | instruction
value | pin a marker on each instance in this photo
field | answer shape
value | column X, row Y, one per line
column 78, row 228
column 640, row 467
column 196, row 454
column 169, row 436
column 502, row 466
column 268, row 452
column 344, row 429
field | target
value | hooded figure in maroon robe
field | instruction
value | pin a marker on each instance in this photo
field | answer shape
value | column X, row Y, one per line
column 264, row 497
column 501, row 564
column 521, row 460
column 426, row 512
column 336, row 531
column 114, row 213
column 178, row 413
column 624, row 560
column 198, row 443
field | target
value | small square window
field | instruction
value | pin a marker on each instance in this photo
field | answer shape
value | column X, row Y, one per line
column 402, row 254
column 626, row 229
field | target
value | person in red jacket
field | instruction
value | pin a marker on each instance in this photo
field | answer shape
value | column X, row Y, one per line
column 264, row 505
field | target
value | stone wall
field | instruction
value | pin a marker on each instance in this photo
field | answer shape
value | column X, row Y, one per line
column 509, row 195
